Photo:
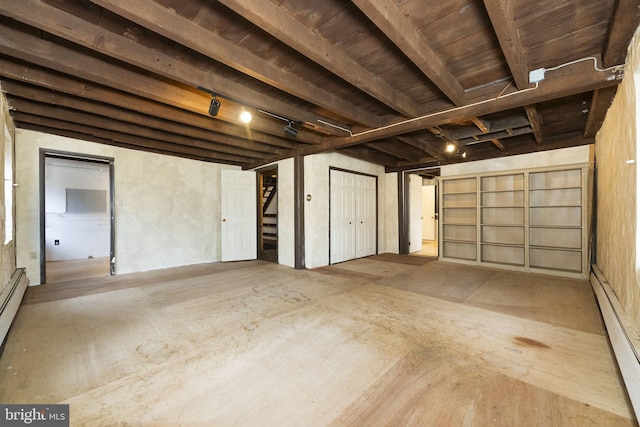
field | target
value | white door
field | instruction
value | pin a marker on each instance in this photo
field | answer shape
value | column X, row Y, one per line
column 415, row 213
column 429, row 212
column 343, row 218
column 365, row 216
column 239, row 231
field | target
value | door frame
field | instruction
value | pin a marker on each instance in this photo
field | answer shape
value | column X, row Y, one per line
column 259, row 174
column 337, row 169
column 403, row 206
column 67, row 155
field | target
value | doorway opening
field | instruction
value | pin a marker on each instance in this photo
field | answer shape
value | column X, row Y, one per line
column 76, row 217
column 420, row 226
column 268, row 214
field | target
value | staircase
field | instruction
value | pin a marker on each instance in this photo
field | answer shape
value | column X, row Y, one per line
column 269, row 212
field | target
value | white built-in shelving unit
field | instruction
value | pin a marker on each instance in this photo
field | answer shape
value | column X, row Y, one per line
column 531, row 220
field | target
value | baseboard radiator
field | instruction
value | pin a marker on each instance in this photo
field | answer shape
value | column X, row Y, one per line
column 10, row 300
column 623, row 336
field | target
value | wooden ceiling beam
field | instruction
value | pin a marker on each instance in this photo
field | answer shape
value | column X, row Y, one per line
column 108, row 127
column 600, row 103
column 116, row 46
column 141, row 143
column 498, row 144
column 229, row 144
column 59, row 58
column 535, row 121
column 401, row 31
column 273, row 19
column 504, row 25
column 397, row 149
column 128, row 145
column 164, row 21
column 368, row 155
column 428, row 143
column 624, row 21
column 570, row 80
column 44, row 78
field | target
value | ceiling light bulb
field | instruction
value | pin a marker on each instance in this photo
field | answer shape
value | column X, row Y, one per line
column 451, row 148
column 245, row 116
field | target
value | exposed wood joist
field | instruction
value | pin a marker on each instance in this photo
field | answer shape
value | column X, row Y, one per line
column 65, row 130
column 534, row 119
column 270, row 17
column 226, row 143
column 501, row 15
column 600, row 103
column 119, row 47
column 62, row 84
column 68, row 61
column 402, row 33
column 571, row 80
column 144, row 136
column 155, row 17
column 625, row 20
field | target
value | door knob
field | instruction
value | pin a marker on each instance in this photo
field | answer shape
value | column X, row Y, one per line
column 224, row 220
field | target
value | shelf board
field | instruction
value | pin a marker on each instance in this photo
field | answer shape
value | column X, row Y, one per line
column 502, row 225
column 554, row 188
column 458, row 241
column 553, row 206
column 562, row 227
column 515, row 190
column 555, row 248
column 460, row 192
column 506, row 245
column 502, row 206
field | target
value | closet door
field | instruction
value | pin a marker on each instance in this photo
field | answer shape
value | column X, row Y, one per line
column 343, row 216
column 365, row 215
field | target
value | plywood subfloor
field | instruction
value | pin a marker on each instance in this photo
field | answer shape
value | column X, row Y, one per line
column 88, row 268
column 386, row 340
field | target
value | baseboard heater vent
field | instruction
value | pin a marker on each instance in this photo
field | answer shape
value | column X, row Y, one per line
column 624, row 339
column 10, row 300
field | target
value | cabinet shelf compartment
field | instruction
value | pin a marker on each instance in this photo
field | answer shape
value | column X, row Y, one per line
column 565, row 238
column 459, row 215
column 462, row 185
column 507, row 235
column 459, row 200
column 570, row 216
column 460, row 250
column 503, row 254
column 555, row 259
column 555, row 179
column 502, row 198
column 502, row 182
column 467, row 233
column 496, row 216
column 556, row 197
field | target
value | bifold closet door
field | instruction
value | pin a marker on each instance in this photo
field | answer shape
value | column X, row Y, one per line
column 353, row 216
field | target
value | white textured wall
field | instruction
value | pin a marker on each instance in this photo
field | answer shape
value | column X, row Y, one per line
column 167, row 208
column 392, row 240
column 617, row 185
column 7, row 251
column 316, row 184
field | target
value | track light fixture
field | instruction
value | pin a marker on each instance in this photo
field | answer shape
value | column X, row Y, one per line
column 290, row 130
column 214, row 107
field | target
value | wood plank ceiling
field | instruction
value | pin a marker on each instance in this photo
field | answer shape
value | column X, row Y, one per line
column 392, row 82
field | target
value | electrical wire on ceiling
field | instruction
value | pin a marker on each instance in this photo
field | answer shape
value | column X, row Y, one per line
column 500, row 96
